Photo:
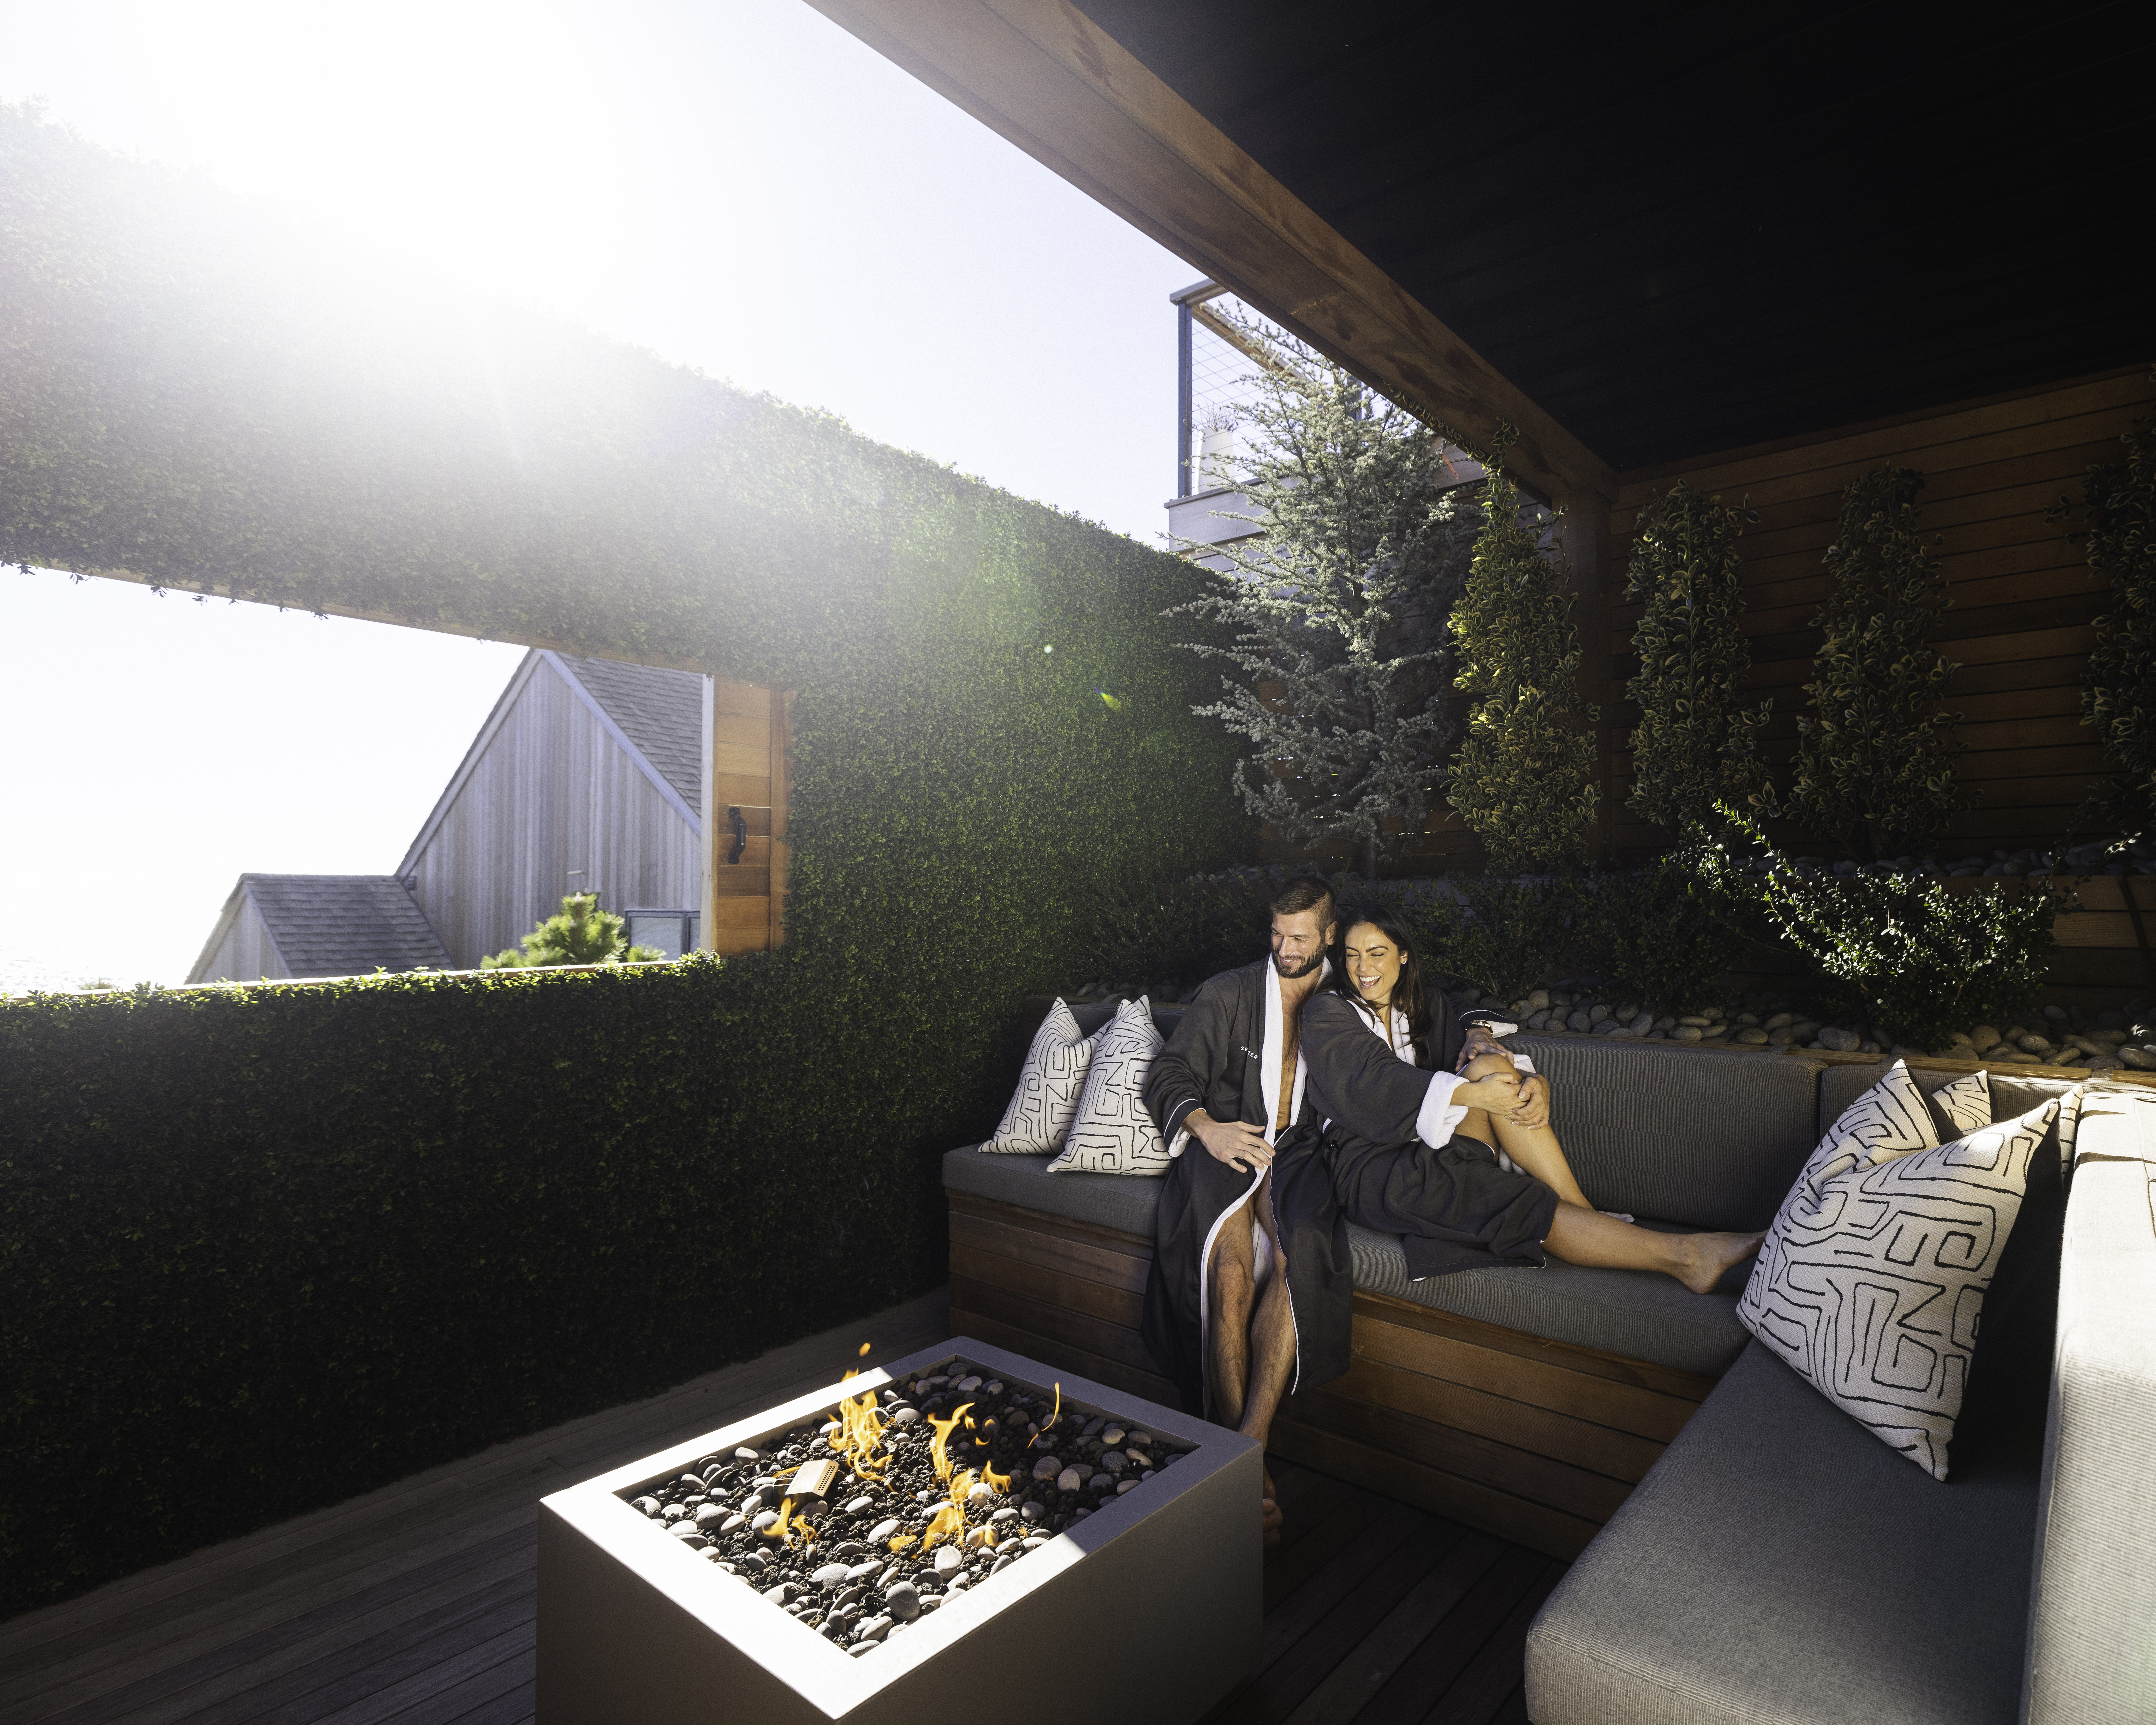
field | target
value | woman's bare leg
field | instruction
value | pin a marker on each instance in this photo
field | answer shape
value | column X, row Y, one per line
column 1537, row 1150
column 1580, row 1234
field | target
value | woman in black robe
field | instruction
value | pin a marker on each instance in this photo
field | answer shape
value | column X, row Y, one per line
column 1431, row 1132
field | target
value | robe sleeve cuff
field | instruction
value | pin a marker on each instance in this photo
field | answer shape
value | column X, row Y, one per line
column 1438, row 1119
column 1521, row 1063
column 1173, row 1127
column 1180, row 1143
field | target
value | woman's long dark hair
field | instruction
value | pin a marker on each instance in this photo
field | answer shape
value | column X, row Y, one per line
column 1410, row 996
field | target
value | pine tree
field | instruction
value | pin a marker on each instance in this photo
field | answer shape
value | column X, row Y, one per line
column 1874, row 769
column 1523, row 779
column 1694, row 746
column 579, row 933
column 2118, row 690
column 1337, row 609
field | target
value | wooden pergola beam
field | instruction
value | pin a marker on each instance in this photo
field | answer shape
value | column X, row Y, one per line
column 1045, row 76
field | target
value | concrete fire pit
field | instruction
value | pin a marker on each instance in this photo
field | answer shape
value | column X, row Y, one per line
column 1146, row 1610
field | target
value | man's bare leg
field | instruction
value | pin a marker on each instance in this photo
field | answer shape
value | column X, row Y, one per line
column 1580, row 1235
column 1230, row 1294
column 1272, row 1356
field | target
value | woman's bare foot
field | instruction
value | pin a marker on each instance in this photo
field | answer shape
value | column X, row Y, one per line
column 1706, row 1258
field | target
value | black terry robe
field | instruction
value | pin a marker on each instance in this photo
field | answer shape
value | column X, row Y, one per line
column 1453, row 1206
column 1225, row 1058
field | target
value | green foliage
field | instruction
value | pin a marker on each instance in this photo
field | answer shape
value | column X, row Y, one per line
column 1694, row 746
column 1503, row 934
column 1337, row 609
column 1909, row 954
column 1660, row 933
column 1523, row 777
column 1873, row 767
column 579, row 933
column 2118, row 690
column 1176, row 932
column 271, row 1246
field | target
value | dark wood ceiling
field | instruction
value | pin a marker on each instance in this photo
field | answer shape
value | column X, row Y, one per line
column 1694, row 228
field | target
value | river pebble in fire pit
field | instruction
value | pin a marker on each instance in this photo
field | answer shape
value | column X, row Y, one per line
column 945, row 1481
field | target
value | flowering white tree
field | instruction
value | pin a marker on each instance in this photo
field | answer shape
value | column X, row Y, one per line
column 1339, row 654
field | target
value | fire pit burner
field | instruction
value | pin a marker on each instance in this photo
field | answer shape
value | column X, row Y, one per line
column 861, row 1524
column 1138, row 1600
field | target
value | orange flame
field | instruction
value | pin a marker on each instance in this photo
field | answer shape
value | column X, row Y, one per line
column 781, row 1528
column 860, row 1430
column 938, row 1452
column 1001, row 1481
column 948, row 1522
column 1058, row 1414
column 899, row 1542
column 865, row 1346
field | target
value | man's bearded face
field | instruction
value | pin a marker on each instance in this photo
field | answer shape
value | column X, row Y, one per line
column 1298, row 943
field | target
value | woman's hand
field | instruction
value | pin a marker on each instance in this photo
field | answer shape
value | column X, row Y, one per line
column 1234, row 1142
column 1501, row 1095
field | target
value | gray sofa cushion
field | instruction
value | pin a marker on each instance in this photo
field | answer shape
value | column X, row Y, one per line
column 1123, row 1201
column 1710, row 1138
column 1632, row 1312
column 1781, row 1566
column 1635, row 1312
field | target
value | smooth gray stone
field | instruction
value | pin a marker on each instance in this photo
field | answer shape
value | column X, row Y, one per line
column 1031, row 1512
column 2138, row 1060
column 748, row 1455
column 861, row 1572
column 708, row 1513
column 1842, row 1041
column 686, row 1532
column 765, row 1518
column 948, row 1563
column 649, row 1505
column 860, row 1506
column 758, row 1560
column 1005, row 1514
column 1001, row 1564
column 859, row 1648
column 830, row 1575
column 734, row 1522
column 902, row 1599
column 782, row 1594
column 883, row 1531
column 905, row 1416
column 1114, row 1461
column 1047, row 1468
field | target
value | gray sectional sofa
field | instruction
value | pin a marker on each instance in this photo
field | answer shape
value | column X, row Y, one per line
column 1777, row 1563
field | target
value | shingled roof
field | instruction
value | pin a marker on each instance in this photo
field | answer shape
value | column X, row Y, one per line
column 659, row 710
column 343, row 925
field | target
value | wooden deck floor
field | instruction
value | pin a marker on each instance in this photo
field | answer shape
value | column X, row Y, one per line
column 415, row 1603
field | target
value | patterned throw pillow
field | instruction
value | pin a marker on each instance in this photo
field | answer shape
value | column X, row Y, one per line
column 1963, row 1106
column 1114, row 1132
column 1873, row 1275
column 1887, row 1120
column 1046, row 1100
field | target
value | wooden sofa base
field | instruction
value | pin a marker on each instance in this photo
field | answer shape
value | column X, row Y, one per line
column 1535, row 1442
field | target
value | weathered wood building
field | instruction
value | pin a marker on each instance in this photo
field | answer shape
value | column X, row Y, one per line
column 589, row 775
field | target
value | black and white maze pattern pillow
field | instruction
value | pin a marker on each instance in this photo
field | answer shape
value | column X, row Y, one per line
column 1114, row 1132
column 1046, row 1100
column 1889, row 1119
column 1872, row 1278
column 1965, row 1104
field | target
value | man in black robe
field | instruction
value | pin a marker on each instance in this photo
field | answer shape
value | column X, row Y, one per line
column 1221, row 1316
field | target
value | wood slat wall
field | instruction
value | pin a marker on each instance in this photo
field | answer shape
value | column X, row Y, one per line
column 2022, row 592
column 1535, row 1442
column 750, row 735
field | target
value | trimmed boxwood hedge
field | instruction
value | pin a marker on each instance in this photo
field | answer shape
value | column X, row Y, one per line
column 264, row 1248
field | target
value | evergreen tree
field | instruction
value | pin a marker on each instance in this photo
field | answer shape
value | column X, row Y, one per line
column 1694, row 746
column 1337, row 609
column 2118, row 690
column 579, row 933
column 1873, row 767
column 1523, row 779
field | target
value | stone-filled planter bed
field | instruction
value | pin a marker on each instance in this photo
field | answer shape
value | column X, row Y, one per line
column 816, row 1562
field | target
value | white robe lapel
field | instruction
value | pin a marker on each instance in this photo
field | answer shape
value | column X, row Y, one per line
column 1275, row 1040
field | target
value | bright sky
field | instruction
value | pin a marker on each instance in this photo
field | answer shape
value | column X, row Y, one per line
column 736, row 184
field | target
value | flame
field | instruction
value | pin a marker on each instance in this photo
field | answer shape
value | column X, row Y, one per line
column 1001, row 1481
column 899, row 1542
column 1058, row 1414
column 865, row 1346
column 781, row 1528
column 939, row 1451
column 860, row 1430
column 948, row 1522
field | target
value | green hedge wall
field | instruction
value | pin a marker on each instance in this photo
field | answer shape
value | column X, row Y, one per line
column 265, row 1248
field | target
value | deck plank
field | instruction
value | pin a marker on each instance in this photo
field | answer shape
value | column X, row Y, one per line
column 417, row 1604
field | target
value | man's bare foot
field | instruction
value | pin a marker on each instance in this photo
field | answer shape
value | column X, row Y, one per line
column 1270, row 1513
column 1706, row 1258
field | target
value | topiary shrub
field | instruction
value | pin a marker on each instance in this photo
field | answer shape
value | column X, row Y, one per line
column 1660, row 932
column 1695, row 745
column 1523, row 776
column 1875, row 768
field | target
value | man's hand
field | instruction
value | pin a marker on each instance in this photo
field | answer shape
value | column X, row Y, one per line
column 1534, row 1112
column 1240, row 1146
column 1479, row 1043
